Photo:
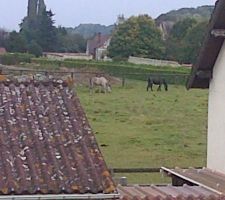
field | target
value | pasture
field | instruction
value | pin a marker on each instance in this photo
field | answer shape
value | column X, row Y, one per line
column 139, row 129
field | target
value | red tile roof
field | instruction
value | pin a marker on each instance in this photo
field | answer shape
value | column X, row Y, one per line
column 165, row 193
column 46, row 143
column 2, row 50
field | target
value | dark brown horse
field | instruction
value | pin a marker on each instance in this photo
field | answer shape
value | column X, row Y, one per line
column 157, row 81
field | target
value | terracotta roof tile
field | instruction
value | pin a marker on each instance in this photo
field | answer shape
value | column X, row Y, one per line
column 167, row 192
column 46, row 143
column 2, row 50
column 204, row 177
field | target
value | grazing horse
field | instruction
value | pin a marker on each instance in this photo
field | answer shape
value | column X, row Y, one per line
column 102, row 82
column 157, row 81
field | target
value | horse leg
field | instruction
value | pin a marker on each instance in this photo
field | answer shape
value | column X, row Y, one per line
column 159, row 88
column 148, row 86
column 165, row 85
column 151, row 87
column 104, row 89
column 91, row 87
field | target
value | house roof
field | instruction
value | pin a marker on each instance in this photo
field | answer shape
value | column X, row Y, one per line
column 166, row 192
column 202, row 70
column 206, row 178
column 2, row 50
column 46, row 143
column 97, row 42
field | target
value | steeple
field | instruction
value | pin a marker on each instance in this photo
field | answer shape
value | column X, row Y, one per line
column 35, row 7
column 41, row 7
column 32, row 8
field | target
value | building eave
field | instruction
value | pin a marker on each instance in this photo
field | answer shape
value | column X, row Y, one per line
column 210, row 49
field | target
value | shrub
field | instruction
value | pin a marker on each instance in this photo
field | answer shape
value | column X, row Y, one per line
column 15, row 58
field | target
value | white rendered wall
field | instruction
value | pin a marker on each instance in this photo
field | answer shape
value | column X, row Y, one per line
column 216, row 116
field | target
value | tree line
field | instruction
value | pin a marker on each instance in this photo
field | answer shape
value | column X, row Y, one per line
column 39, row 34
column 139, row 36
column 136, row 36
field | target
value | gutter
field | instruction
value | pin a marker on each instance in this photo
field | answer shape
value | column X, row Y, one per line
column 61, row 196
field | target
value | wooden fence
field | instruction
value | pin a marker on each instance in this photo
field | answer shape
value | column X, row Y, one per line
column 177, row 79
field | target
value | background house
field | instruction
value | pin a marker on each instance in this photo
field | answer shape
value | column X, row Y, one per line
column 97, row 47
column 2, row 50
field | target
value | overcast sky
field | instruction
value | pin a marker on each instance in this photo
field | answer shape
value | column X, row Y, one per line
column 70, row 13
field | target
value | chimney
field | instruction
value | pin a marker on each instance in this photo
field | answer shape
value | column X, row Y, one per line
column 99, row 37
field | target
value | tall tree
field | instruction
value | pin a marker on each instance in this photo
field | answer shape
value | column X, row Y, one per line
column 46, row 33
column 40, row 29
column 175, row 41
column 185, row 40
column 137, row 36
column 193, row 41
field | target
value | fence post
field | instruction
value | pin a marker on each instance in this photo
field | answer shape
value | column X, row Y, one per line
column 123, row 80
column 72, row 75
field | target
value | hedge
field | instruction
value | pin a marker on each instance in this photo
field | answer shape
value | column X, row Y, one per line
column 15, row 58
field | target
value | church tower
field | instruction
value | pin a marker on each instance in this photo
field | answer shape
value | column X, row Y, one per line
column 35, row 8
column 32, row 8
column 41, row 7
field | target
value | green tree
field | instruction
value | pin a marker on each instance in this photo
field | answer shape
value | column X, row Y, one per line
column 137, row 36
column 46, row 34
column 16, row 43
column 175, row 42
column 70, row 42
column 40, row 29
column 193, row 41
column 185, row 40
column 3, row 37
column 35, row 49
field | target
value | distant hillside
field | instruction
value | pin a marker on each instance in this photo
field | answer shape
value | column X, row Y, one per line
column 89, row 30
column 166, row 21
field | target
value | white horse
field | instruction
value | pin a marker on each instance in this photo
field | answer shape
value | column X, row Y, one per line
column 101, row 82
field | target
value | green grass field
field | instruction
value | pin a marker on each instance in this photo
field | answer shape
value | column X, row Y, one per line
column 139, row 129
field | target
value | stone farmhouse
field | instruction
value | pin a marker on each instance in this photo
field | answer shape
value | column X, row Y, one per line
column 97, row 47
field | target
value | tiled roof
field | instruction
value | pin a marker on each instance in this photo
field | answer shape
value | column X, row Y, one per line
column 46, row 143
column 165, row 193
column 2, row 50
column 207, row 178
